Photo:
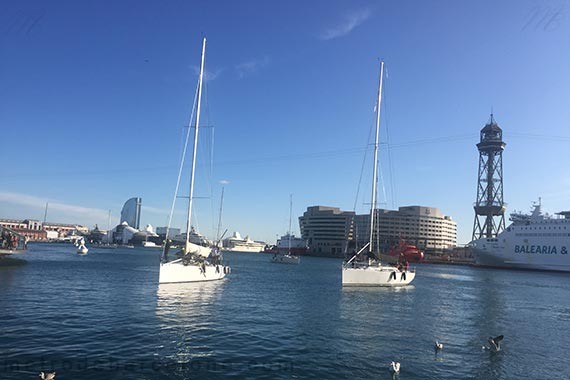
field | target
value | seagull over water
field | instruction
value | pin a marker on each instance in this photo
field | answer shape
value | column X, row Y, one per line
column 47, row 376
column 494, row 343
column 438, row 345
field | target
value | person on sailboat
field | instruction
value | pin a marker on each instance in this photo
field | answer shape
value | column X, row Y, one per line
column 167, row 245
column 215, row 256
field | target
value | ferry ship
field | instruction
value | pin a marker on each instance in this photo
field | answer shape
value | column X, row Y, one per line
column 293, row 245
column 534, row 241
column 239, row 244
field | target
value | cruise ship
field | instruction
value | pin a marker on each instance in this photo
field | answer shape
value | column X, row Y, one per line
column 239, row 244
column 194, row 237
column 534, row 241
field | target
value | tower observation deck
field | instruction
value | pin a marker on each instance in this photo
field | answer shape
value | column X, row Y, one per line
column 489, row 207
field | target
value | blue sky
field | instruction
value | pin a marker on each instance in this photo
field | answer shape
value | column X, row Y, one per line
column 94, row 97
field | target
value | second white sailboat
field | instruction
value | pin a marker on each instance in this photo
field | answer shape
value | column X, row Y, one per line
column 364, row 268
column 196, row 263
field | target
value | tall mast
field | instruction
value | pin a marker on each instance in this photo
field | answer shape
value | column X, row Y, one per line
column 374, row 173
column 109, row 228
column 195, row 146
column 45, row 214
column 290, row 216
column 218, row 237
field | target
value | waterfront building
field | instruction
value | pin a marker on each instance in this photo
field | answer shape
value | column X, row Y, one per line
column 146, row 237
column 332, row 232
column 131, row 212
column 425, row 227
column 35, row 230
column 327, row 230
column 122, row 234
column 65, row 229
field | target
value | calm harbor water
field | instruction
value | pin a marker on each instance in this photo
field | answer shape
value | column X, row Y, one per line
column 103, row 316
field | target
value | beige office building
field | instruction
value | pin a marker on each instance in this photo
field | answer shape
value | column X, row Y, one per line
column 332, row 232
column 327, row 230
column 425, row 227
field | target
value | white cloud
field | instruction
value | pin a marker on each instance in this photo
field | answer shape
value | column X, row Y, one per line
column 249, row 67
column 350, row 20
column 154, row 210
column 30, row 207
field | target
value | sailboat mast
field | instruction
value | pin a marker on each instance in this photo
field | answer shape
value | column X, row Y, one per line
column 192, row 174
column 218, row 237
column 374, row 173
column 290, row 216
column 45, row 214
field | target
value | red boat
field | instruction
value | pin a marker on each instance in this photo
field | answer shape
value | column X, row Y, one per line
column 406, row 252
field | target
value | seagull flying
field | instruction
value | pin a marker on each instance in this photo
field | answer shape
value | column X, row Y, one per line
column 494, row 343
column 438, row 345
column 395, row 367
column 47, row 376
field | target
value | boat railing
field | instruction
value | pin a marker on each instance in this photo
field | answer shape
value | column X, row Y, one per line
column 12, row 241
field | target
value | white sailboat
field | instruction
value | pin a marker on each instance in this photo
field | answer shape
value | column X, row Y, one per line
column 287, row 258
column 370, row 271
column 81, row 248
column 197, row 263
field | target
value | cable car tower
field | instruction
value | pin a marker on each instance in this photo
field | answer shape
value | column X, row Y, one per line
column 489, row 207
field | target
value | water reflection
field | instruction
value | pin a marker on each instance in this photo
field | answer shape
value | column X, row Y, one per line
column 189, row 325
column 187, row 299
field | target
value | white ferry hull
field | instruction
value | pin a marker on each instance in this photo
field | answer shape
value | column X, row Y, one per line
column 535, row 241
column 376, row 276
column 548, row 254
column 177, row 272
column 244, row 249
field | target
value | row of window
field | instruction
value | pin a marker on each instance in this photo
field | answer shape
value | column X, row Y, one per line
column 540, row 228
column 543, row 234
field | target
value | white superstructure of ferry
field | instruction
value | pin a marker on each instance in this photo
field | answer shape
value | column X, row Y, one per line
column 536, row 241
column 290, row 244
column 239, row 244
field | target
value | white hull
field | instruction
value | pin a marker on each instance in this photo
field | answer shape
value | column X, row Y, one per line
column 533, row 242
column 285, row 259
column 238, row 244
column 376, row 275
column 82, row 250
column 501, row 258
column 177, row 272
column 238, row 248
column 523, row 252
